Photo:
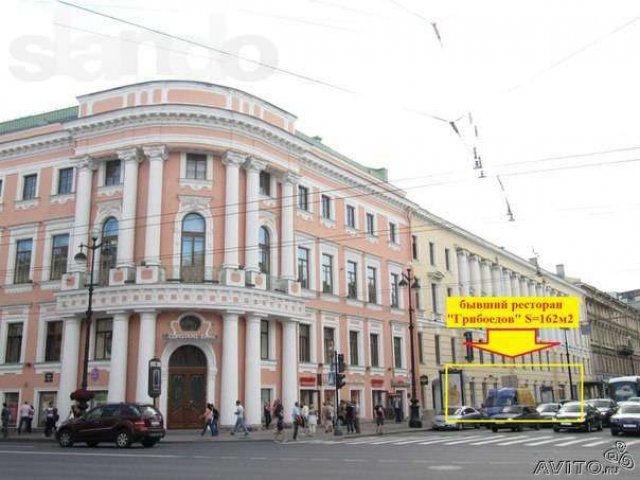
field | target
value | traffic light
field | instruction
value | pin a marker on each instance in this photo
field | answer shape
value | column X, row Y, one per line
column 340, row 367
column 468, row 338
column 340, row 362
column 340, row 380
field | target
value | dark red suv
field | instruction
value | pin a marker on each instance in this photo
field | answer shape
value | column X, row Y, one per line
column 122, row 423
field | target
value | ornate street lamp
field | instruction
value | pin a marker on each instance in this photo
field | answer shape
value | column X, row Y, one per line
column 82, row 395
column 414, row 417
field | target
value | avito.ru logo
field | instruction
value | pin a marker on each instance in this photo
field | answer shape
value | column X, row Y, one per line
column 616, row 459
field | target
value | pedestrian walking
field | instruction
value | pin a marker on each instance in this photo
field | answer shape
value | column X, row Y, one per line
column 25, row 410
column 327, row 417
column 32, row 413
column 215, row 419
column 397, row 408
column 378, row 412
column 278, row 413
column 349, row 417
column 240, row 425
column 207, row 416
column 5, row 419
column 313, row 420
column 266, row 413
column 50, row 419
column 304, row 412
column 296, row 419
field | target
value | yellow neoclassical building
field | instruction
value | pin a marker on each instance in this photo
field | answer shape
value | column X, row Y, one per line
column 450, row 261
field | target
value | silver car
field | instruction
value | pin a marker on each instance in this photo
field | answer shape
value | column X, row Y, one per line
column 454, row 414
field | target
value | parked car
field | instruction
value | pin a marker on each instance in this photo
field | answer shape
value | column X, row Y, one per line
column 511, row 417
column 626, row 419
column 547, row 412
column 457, row 413
column 633, row 399
column 606, row 407
column 122, row 423
column 570, row 417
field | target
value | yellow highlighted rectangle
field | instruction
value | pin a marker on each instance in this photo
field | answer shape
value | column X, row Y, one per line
column 462, row 366
column 512, row 312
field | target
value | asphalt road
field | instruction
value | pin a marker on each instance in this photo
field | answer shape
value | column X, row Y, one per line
column 462, row 455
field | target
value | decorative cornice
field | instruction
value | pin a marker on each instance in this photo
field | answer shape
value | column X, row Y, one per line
column 84, row 161
column 34, row 145
column 252, row 163
column 130, row 155
column 156, row 152
column 233, row 158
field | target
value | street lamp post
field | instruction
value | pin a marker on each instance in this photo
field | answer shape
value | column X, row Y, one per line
column 414, row 417
column 83, row 395
column 566, row 347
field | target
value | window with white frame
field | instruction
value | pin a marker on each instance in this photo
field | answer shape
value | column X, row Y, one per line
column 329, row 344
column 304, row 343
column 103, row 335
column 59, row 255
column 432, row 253
column 53, row 341
column 13, row 349
column 113, row 172
column 65, row 181
column 371, row 224
column 352, row 279
column 265, row 183
column 414, row 247
column 22, row 270
column 1, row 188
column 303, row 198
column 372, row 284
column 350, row 216
column 397, row 352
column 354, row 339
column 264, row 339
column 327, row 273
column 395, row 289
column 30, row 186
column 434, row 298
column 447, row 259
column 325, row 202
column 374, row 346
column 303, row 267
column 196, row 166
column 393, row 232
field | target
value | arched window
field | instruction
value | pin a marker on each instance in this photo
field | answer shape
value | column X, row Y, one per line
column 109, row 250
column 264, row 245
column 193, row 244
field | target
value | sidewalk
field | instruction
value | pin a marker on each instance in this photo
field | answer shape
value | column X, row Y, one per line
column 193, row 436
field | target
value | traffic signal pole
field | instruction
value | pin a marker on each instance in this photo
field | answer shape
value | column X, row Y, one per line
column 337, row 431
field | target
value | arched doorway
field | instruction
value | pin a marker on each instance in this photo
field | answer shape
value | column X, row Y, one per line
column 187, row 387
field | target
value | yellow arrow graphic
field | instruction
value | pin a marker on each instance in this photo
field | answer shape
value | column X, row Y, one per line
column 512, row 343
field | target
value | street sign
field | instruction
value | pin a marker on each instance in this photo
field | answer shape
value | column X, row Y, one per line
column 155, row 378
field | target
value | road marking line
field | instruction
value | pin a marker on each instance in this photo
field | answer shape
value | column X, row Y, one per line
column 383, row 442
column 572, row 442
column 90, row 454
column 409, row 442
column 353, row 460
column 465, row 440
column 430, row 442
column 522, row 440
column 497, row 438
column 256, row 458
column 388, row 460
column 593, row 444
column 633, row 442
column 535, row 444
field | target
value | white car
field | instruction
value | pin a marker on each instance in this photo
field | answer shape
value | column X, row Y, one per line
column 457, row 413
column 626, row 419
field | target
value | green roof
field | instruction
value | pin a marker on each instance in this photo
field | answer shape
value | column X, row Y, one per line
column 39, row 120
column 381, row 173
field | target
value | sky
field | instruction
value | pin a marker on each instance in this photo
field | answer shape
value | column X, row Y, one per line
column 551, row 87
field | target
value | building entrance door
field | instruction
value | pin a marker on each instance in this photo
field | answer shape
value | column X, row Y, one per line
column 187, row 387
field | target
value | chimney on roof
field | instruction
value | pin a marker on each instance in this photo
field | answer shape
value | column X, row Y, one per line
column 560, row 270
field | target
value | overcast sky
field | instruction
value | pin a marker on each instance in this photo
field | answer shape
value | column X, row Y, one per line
column 541, row 79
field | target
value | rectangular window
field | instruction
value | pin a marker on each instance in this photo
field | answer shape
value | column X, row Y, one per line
column 436, row 339
column 434, row 297
column 416, row 295
column 30, row 182
column 373, row 344
column 304, row 339
column 303, row 267
column 372, row 285
column 265, row 183
column 414, row 247
column 397, row 352
column 104, row 328
column 1, row 185
column 352, row 279
column 14, row 343
column 59, row 254
column 353, row 348
column 326, row 207
column 447, row 259
column 432, row 253
column 196, row 166
column 54, row 342
column 420, row 348
column 112, row 174
column 327, row 273
column 351, row 216
column 264, row 339
column 393, row 233
column 303, row 198
column 329, row 344
column 65, row 180
column 23, row 261
column 395, row 298
column 449, row 291
column 453, row 350
column 371, row 224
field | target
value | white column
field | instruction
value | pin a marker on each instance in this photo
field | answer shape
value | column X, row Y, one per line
column 506, row 283
column 156, row 154
column 70, row 359
column 82, row 216
column 524, row 287
column 229, row 380
column 496, row 280
column 252, row 373
column 118, row 365
column 232, row 161
column 476, row 282
column 252, row 216
column 146, row 351
column 463, row 272
column 126, row 234
column 287, row 226
column 487, row 284
column 515, row 285
column 289, row 366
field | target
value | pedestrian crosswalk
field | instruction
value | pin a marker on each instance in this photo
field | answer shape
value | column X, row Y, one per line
column 477, row 440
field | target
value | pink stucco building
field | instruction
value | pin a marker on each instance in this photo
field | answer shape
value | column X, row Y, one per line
column 242, row 253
